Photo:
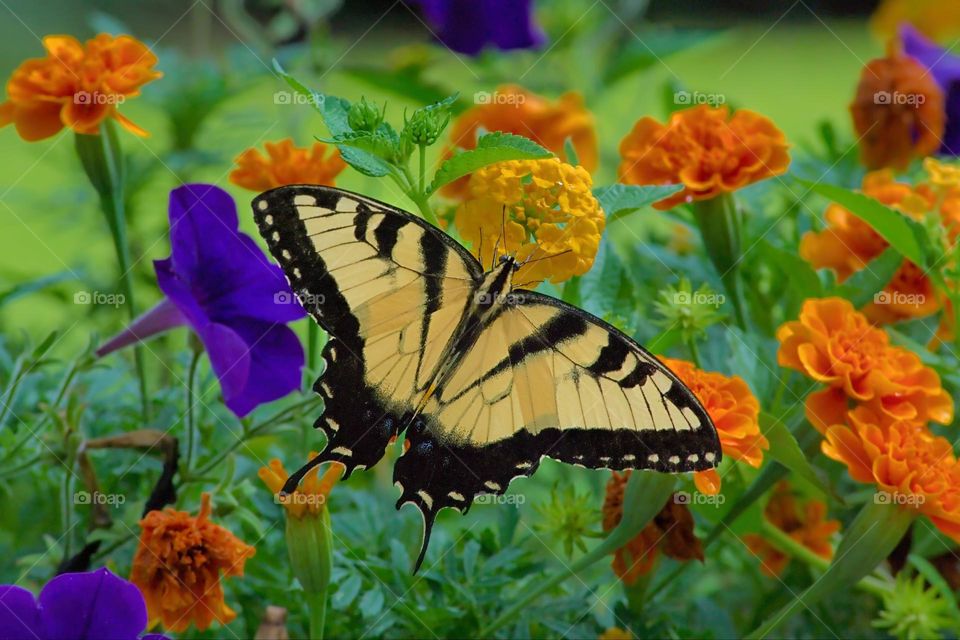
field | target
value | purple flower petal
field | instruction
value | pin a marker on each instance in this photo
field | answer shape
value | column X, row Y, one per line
column 19, row 614
column 96, row 606
column 945, row 68
column 467, row 26
column 271, row 355
column 164, row 316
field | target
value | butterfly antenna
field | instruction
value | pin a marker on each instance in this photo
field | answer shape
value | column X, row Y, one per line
column 480, row 247
column 290, row 486
column 528, row 260
column 503, row 225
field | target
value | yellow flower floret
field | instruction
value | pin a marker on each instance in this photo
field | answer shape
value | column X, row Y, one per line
column 543, row 209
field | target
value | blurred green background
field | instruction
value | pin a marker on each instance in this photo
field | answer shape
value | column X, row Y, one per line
column 795, row 62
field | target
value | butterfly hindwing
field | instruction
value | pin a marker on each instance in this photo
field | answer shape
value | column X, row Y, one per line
column 387, row 287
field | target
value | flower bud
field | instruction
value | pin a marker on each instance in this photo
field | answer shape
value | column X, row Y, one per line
column 364, row 116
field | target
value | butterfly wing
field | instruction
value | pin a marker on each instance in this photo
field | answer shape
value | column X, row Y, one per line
column 389, row 288
column 547, row 379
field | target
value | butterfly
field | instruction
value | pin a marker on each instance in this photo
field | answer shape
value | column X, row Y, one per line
column 484, row 379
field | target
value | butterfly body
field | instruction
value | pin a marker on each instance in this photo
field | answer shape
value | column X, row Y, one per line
column 483, row 379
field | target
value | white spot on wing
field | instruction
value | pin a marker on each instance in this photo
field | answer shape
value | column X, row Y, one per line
column 343, row 451
column 304, row 200
column 710, row 457
column 426, row 497
column 493, row 486
column 654, row 458
column 674, row 460
column 263, row 205
column 456, row 496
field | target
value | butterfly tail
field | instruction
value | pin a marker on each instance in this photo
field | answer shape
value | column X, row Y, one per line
column 428, row 518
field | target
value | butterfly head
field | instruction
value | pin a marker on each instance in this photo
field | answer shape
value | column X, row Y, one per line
column 508, row 259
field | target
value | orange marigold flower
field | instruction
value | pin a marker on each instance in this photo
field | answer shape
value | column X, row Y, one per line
column 834, row 344
column 179, row 564
column 806, row 523
column 287, row 164
column 914, row 467
column 513, row 109
column 898, row 112
column 734, row 411
column 848, row 243
column 311, row 496
column 706, row 150
column 77, row 85
column 670, row 531
column 544, row 209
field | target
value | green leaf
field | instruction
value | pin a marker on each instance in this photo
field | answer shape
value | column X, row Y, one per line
column 363, row 161
column 647, row 492
column 867, row 542
column 22, row 289
column 862, row 287
column 570, row 152
column 905, row 235
column 347, row 592
column 624, row 198
column 332, row 109
column 491, row 148
column 785, row 449
column 803, row 279
column 665, row 341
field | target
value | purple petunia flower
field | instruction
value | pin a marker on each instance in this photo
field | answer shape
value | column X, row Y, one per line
column 77, row 606
column 220, row 284
column 945, row 68
column 467, row 26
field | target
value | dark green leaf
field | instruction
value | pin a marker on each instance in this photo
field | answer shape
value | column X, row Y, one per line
column 491, row 148
column 862, row 287
column 803, row 279
column 785, row 450
column 333, row 109
column 363, row 161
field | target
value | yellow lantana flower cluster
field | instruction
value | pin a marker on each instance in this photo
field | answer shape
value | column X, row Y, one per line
column 541, row 210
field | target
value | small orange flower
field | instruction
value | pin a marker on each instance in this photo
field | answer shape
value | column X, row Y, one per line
column 806, row 523
column 898, row 111
column 913, row 467
column 311, row 496
column 704, row 149
column 734, row 411
column 848, row 243
column 77, row 85
column 671, row 531
column 179, row 564
column 286, row 164
column 834, row 344
column 513, row 109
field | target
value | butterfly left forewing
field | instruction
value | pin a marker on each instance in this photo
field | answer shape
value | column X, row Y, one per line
column 390, row 290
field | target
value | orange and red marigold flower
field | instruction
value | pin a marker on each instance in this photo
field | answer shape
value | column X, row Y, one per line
column 513, row 109
column 806, row 523
column 670, row 532
column 287, row 164
column 848, row 244
column 898, row 111
column 77, row 85
column 705, row 149
column 836, row 345
column 734, row 411
column 179, row 564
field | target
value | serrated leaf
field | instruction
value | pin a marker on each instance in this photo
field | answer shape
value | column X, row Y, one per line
column 905, row 235
column 491, row 148
column 363, row 161
column 624, row 198
column 332, row 109
column 785, row 449
column 862, row 287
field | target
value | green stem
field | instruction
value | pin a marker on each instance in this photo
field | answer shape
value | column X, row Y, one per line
column 313, row 345
column 694, row 352
column 719, row 220
column 102, row 160
column 317, row 607
column 191, row 435
column 423, row 169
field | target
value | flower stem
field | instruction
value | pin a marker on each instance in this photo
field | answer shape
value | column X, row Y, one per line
column 422, row 187
column 103, row 163
column 191, row 435
column 719, row 220
column 317, row 606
